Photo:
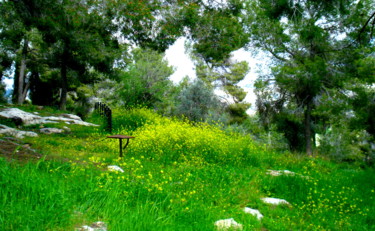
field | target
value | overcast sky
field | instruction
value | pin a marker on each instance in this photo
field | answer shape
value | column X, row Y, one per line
column 184, row 67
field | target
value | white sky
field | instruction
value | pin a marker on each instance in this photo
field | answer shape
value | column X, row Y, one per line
column 184, row 67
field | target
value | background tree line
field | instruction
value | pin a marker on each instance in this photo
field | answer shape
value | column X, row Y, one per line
column 69, row 53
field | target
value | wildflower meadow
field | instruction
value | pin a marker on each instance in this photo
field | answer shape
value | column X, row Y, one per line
column 177, row 175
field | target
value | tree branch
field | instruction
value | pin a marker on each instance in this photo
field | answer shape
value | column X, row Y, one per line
column 364, row 26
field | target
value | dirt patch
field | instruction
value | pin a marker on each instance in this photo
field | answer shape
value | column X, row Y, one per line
column 15, row 149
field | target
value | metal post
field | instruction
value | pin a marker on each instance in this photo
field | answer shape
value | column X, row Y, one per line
column 120, row 147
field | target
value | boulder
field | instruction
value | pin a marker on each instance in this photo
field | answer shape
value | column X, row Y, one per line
column 20, row 116
column 228, row 224
column 16, row 133
column 29, row 118
column 253, row 212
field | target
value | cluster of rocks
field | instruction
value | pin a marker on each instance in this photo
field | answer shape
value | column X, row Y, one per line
column 231, row 224
column 19, row 117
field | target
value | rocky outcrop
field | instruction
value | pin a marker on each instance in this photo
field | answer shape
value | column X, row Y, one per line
column 19, row 117
column 25, row 118
column 16, row 133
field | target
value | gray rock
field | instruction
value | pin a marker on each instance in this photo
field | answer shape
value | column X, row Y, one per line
column 51, row 130
column 16, row 133
column 30, row 118
column 25, row 117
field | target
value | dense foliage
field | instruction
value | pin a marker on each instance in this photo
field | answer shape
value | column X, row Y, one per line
column 321, row 84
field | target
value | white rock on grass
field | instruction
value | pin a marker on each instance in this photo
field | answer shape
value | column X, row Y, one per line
column 27, row 118
column 16, row 133
column 274, row 201
column 253, row 212
column 228, row 224
column 51, row 130
column 66, row 129
column 86, row 228
column 280, row 172
column 68, row 120
column 30, row 118
column 96, row 226
column 115, row 168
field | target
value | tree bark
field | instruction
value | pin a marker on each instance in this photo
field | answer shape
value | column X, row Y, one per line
column 64, row 86
column 21, row 76
column 308, row 129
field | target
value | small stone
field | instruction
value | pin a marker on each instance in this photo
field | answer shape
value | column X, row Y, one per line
column 274, row 201
column 253, row 212
column 115, row 168
column 228, row 224
column 66, row 129
column 99, row 226
column 280, row 172
column 86, row 228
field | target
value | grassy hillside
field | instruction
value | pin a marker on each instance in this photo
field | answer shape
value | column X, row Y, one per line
column 177, row 176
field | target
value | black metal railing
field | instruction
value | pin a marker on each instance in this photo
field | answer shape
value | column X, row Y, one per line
column 105, row 112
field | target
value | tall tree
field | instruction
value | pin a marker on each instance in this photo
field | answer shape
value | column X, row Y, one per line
column 77, row 38
column 309, row 41
column 14, row 44
column 225, row 76
column 146, row 80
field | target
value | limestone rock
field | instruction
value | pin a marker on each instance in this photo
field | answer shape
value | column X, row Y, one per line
column 16, row 133
column 30, row 118
column 280, row 172
column 67, row 129
column 51, row 130
column 253, row 212
column 25, row 117
column 55, row 119
column 228, row 224
column 96, row 226
column 274, row 201
column 115, row 168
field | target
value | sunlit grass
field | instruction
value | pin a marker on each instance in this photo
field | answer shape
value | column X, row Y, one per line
column 177, row 176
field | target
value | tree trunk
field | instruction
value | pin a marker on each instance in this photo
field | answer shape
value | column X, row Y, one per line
column 308, row 129
column 21, row 77
column 15, row 82
column 64, row 86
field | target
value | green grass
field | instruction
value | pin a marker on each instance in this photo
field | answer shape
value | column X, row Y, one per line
column 177, row 177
